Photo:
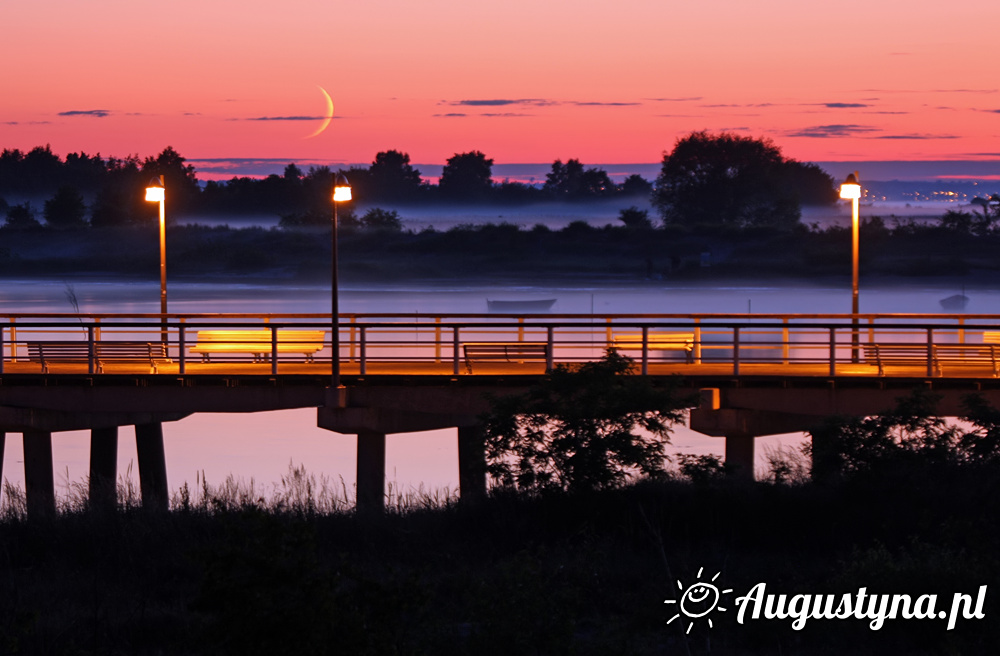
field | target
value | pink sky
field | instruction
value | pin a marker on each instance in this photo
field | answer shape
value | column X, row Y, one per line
column 522, row 81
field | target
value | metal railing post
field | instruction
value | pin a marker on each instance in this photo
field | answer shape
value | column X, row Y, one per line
column 833, row 351
column 784, row 341
column 645, row 350
column 550, row 356
column 454, row 349
column 362, row 351
column 930, row 352
column 736, row 350
column 697, row 341
column 181, row 338
column 90, row 349
column 437, row 340
column 274, row 350
column 1, row 350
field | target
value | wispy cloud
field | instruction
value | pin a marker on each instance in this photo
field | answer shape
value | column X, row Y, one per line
column 451, row 115
column 282, row 118
column 689, row 99
column 498, row 102
column 505, row 115
column 579, row 103
column 96, row 113
column 915, row 137
column 830, row 131
column 27, row 122
column 843, row 105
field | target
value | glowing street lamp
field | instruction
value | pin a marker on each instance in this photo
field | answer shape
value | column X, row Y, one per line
column 156, row 193
column 851, row 190
column 341, row 194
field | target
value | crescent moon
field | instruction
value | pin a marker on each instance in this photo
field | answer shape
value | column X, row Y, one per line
column 327, row 118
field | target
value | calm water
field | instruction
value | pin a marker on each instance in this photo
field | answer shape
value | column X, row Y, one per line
column 262, row 446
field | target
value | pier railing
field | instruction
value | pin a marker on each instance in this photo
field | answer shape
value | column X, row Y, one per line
column 740, row 344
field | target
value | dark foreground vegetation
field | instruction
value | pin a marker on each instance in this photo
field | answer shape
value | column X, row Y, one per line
column 556, row 574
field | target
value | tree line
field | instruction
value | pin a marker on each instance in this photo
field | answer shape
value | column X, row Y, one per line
column 719, row 179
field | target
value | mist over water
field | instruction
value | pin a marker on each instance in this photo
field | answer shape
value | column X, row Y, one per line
column 261, row 446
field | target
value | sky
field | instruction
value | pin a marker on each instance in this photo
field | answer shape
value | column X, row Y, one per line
column 522, row 81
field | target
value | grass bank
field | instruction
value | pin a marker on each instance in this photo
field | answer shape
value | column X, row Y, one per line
column 229, row 573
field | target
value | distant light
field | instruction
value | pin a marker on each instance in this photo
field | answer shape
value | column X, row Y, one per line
column 851, row 188
column 341, row 189
column 155, row 191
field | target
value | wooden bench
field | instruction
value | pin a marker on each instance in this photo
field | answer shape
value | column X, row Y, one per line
column 656, row 341
column 46, row 353
column 258, row 343
column 915, row 355
column 505, row 352
column 900, row 355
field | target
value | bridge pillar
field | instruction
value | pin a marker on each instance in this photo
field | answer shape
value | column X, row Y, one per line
column 152, row 466
column 39, row 488
column 103, row 468
column 739, row 454
column 471, row 464
column 371, row 472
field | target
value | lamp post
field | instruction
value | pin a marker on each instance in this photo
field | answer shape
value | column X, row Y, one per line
column 341, row 194
column 156, row 192
column 851, row 190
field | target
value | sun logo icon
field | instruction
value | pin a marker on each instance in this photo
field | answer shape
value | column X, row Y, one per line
column 698, row 600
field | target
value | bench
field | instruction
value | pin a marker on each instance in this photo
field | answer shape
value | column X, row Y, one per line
column 915, row 355
column 899, row 355
column 656, row 341
column 505, row 352
column 46, row 353
column 258, row 343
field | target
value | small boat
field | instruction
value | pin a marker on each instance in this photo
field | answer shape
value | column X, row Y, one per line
column 954, row 302
column 519, row 306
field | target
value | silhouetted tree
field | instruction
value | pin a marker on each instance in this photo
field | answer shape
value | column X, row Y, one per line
column 570, row 181
column 392, row 177
column 120, row 199
column 179, row 178
column 66, row 209
column 21, row 217
column 467, row 176
column 635, row 218
column 725, row 179
column 381, row 220
column 581, row 429
column 636, row 185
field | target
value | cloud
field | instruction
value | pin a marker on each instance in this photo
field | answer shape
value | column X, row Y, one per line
column 829, row 131
column 499, row 102
column 96, row 113
column 992, row 111
column 843, row 105
column 282, row 118
column 533, row 102
column 506, row 115
column 690, row 99
column 917, row 137
column 27, row 123
column 451, row 115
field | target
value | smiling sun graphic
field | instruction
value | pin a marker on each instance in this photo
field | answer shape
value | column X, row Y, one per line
column 698, row 600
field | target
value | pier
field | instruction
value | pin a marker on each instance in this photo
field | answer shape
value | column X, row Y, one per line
column 753, row 375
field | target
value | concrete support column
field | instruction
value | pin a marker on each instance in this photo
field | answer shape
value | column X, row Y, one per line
column 152, row 466
column 39, row 487
column 739, row 454
column 371, row 472
column 471, row 464
column 103, row 468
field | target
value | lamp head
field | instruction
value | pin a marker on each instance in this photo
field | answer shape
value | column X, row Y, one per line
column 341, row 189
column 851, row 188
column 155, row 192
